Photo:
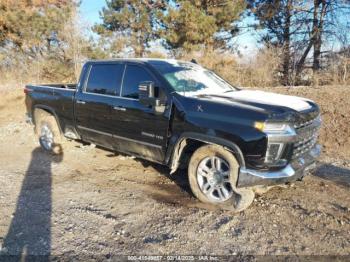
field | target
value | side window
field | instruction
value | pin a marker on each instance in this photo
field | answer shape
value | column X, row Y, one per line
column 105, row 79
column 134, row 75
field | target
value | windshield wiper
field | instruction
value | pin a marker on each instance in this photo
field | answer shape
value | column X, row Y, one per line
column 228, row 91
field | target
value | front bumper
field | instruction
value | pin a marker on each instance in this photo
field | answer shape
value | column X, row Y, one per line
column 28, row 119
column 292, row 172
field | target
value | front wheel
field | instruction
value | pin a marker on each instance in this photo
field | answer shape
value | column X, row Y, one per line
column 213, row 173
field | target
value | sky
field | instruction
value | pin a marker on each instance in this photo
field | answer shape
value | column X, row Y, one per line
column 246, row 41
column 89, row 10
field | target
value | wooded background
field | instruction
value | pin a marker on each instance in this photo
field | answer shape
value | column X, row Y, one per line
column 301, row 42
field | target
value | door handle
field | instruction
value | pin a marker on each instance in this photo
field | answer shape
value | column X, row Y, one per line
column 119, row 108
column 81, row 102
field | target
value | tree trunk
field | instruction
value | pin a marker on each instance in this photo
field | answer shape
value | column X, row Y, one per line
column 318, row 36
column 315, row 23
column 139, row 47
column 300, row 64
column 286, row 45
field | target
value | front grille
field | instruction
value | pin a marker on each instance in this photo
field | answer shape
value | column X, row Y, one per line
column 306, row 120
column 307, row 134
column 302, row 124
column 303, row 146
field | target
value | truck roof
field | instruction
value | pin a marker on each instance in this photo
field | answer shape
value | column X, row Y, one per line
column 144, row 60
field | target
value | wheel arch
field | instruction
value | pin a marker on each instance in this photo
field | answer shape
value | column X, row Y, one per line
column 201, row 139
column 49, row 110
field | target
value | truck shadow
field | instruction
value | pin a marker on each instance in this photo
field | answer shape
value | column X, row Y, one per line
column 29, row 235
column 338, row 175
column 179, row 195
column 180, row 177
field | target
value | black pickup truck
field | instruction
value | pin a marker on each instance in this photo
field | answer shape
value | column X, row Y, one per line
column 234, row 142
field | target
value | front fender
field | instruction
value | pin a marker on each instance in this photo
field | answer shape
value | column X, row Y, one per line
column 176, row 149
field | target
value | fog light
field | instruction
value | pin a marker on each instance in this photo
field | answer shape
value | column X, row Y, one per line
column 274, row 151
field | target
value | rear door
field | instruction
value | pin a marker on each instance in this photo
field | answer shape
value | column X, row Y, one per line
column 94, row 100
column 138, row 129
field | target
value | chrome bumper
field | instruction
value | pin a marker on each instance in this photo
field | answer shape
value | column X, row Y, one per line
column 293, row 171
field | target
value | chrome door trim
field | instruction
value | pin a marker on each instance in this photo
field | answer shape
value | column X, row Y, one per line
column 95, row 131
column 119, row 108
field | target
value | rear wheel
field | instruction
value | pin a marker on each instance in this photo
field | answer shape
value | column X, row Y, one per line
column 213, row 173
column 48, row 132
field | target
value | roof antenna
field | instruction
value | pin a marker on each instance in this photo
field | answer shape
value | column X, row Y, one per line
column 194, row 61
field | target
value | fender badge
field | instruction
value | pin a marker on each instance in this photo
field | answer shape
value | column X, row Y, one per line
column 199, row 108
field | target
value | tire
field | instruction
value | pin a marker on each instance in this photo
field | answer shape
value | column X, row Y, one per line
column 48, row 132
column 214, row 181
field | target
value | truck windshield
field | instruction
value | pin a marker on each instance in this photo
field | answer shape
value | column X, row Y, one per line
column 190, row 79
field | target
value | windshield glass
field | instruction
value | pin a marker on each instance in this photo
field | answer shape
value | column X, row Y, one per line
column 190, row 79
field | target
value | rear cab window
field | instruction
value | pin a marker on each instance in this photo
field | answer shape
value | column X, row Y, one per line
column 105, row 79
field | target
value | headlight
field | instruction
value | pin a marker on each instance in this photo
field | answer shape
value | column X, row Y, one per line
column 275, row 128
column 279, row 134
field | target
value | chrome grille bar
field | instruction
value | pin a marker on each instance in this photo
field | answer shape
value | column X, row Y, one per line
column 307, row 134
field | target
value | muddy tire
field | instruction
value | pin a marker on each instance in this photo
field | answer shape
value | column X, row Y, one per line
column 48, row 132
column 213, row 173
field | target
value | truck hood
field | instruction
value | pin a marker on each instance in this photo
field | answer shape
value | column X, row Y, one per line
column 267, row 102
column 238, row 111
column 261, row 97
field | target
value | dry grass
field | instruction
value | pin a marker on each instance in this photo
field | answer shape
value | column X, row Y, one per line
column 24, row 71
column 263, row 69
column 258, row 72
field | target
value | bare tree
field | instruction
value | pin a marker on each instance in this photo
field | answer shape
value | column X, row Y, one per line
column 300, row 29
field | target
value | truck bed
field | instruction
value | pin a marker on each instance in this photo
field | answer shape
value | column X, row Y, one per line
column 58, row 97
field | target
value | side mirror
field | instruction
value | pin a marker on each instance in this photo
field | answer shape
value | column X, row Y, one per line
column 147, row 94
column 146, row 89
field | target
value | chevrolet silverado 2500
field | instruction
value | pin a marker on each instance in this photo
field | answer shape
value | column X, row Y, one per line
column 233, row 141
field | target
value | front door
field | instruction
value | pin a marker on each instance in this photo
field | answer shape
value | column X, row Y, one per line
column 140, row 130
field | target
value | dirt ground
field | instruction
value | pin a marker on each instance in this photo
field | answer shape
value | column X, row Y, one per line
column 96, row 204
